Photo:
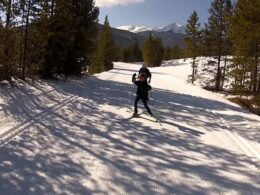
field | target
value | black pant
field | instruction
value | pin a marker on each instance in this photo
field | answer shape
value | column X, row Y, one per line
column 144, row 102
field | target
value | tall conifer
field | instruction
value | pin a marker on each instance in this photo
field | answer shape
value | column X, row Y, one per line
column 105, row 52
column 245, row 35
column 192, row 41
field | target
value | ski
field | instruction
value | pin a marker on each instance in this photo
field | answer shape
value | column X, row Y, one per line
column 146, row 117
column 151, row 118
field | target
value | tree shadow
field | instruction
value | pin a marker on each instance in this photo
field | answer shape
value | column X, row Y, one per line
column 85, row 148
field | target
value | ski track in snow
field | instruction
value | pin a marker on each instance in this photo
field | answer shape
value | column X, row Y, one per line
column 73, row 138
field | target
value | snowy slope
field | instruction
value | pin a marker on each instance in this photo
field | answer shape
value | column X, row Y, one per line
column 205, row 73
column 74, row 138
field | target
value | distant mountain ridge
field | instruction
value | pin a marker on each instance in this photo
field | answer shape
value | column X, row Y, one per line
column 138, row 29
column 170, row 35
column 174, row 27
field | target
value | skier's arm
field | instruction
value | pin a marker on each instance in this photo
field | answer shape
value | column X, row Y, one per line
column 149, row 87
column 149, row 75
column 134, row 78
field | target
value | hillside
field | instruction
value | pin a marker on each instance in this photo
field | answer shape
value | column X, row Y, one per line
column 124, row 38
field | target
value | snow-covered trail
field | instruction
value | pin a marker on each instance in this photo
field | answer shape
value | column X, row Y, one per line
column 75, row 139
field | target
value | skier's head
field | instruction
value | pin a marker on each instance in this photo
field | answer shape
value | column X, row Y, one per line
column 144, row 65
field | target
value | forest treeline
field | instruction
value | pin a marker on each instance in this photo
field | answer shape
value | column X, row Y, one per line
column 50, row 37
column 45, row 38
column 232, row 38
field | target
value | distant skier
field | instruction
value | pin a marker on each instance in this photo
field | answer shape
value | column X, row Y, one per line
column 146, row 71
column 142, row 92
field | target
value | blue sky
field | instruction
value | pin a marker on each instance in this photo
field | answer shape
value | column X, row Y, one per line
column 151, row 12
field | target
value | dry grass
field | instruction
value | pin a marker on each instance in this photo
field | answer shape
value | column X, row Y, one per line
column 252, row 105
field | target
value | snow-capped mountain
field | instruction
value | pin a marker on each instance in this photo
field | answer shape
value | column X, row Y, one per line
column 125, row 36
column 174, row 27
column 137, row 29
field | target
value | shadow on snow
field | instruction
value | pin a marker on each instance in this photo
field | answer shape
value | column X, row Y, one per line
column 62, row 150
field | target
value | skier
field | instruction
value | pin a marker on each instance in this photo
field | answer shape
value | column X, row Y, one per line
column 142, row 92
column 146, row 71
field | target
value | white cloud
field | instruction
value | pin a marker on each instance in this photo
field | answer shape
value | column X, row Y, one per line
column 110, row 3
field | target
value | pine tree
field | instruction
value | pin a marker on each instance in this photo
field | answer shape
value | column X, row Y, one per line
column 72, row 31
column 137, row 53
column 46, row 37
column 192, row 41
column 105, row 53
column 216, row 32
column 148, row 50
column 132, row 53
column 227, row 45
column 153, row 51
column 245, row 35
column 8, row 39
column 167, row 53
column 123, row 55
column 176, row 52
column 84, row 20
column 34, row 34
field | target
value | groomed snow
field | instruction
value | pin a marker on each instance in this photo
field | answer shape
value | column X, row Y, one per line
column 73, row 137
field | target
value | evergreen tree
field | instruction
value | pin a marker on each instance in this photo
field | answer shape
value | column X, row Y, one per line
column 245, row 35
column 46, row 36
column 176, row 52
column 72, row 37
column 137, row 53
column 117, row 54
column 167, row 53
column 132, row 53
column 216, row 32
column 153, row 51
column 192, row 41
column 227, row 45
column 106, row 49
column 84, row 19
column 8, row 39
column 123, row 55
column 148, row 50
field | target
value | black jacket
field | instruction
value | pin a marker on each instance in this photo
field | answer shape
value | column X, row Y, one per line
column 145, row 71
column 142, row 88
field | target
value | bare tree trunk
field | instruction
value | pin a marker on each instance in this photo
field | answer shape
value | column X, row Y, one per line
column 52, row 7
column 21, row 39
column 8, row 65
column 224, row 72
column 255, row 70
column 258, row 90
column 8, row 14
column 193, row 70
column 218, row 78
column 26, row 40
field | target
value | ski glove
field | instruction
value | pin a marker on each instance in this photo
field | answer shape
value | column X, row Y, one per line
column 134, row 77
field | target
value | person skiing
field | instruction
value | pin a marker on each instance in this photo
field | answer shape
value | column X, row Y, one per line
column 142, row 92
column 146, row 71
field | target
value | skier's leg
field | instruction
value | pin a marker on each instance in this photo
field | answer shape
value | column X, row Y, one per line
column 136, row 102
column 147, row 107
